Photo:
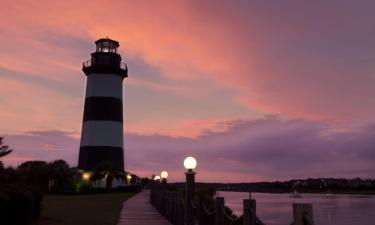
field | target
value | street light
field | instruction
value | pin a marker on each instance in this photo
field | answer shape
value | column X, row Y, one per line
column 129, row 177
column 190, row 164
column 164, row 176
column 85, row 176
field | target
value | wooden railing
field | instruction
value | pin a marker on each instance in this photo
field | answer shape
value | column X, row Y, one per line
column 172, row 206
column 169, row 204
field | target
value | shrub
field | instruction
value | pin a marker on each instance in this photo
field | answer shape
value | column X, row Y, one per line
column 4, row 207
column 21, row 204
column 38, row 198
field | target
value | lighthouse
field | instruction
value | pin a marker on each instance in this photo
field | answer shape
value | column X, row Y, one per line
column 102, row 127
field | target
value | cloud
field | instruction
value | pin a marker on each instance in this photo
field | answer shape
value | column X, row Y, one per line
column 195, row 67
column 273, row 58
column 264, row 149
column 42, row 145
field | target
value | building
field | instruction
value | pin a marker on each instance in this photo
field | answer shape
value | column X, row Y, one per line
column 102, row 127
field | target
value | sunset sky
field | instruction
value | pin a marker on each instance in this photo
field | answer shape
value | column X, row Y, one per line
column 255, row 90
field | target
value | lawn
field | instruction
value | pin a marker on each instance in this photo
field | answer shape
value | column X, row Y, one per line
column 95, row 209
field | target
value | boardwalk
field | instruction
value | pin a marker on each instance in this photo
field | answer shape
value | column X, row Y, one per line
column 138, row 211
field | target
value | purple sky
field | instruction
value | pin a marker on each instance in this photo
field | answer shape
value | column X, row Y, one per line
column 260, row 90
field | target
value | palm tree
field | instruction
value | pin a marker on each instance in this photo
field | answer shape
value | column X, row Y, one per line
column 4, row 149
column 109, row 171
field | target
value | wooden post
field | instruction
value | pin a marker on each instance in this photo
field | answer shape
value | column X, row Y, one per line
column 174, row 208
column 200, row 211
column 219, row 215
column 248, row 206
column 190, row 190
column 181, row 213
column 301, row 210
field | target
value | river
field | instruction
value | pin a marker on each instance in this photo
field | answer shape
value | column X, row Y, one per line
column 276, row 209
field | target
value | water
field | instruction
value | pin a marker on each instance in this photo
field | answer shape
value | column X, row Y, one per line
column 276, row 209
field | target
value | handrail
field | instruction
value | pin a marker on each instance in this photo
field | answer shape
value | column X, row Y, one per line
column 86, row 63
column 123, row 65
column 193, row 204
column 306, row 220
column 90, row 62
column 206, row 210
column 257, row 219
column 172, row 206
column 239, row 220
column 231, row 219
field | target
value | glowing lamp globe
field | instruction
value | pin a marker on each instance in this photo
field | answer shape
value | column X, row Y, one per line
column 190, row 163
column 129, row 177
column 157, row 178
column 164, row 175
column 86, row 176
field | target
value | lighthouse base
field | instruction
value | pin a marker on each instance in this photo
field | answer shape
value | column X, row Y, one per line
column 89, row 156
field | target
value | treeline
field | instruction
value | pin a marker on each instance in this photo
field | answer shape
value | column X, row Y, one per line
column 310, row 185
column 20, row 203
column 22, row 187
column 53, row 176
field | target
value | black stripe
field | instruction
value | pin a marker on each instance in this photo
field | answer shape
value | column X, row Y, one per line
column 103, row 108
column 105, row 62
column 89, row 156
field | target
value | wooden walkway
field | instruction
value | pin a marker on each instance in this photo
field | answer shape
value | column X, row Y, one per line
column 138, row 211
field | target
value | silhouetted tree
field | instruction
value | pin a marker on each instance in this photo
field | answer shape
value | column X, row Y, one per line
column 59, row 174
column 34, row 173
column 8, row 175
column 4, row 149
column 109, row 171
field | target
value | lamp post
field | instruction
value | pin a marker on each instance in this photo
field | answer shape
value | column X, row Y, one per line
column 164, row 176
column 190, row 164
column 86, row 176
column 157, row 178
column 128, row 178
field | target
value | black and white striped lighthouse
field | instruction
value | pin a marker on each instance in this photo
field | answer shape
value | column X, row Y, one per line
column 102, row 128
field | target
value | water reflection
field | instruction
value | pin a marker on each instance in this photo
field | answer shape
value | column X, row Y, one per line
column 276, row 209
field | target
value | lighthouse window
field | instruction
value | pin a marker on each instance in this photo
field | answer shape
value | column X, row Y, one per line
column 106, row 46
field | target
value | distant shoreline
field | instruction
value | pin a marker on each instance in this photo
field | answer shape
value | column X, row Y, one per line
column 348, row 192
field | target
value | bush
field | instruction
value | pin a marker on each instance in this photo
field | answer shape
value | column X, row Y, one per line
column 38, row 198
column 4, row 207
column 20, row 206
column 22, row 203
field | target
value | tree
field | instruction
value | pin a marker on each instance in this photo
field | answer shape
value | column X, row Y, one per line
column 34, row 173
column 58, row 174
column 109, row 171
column 4, row 149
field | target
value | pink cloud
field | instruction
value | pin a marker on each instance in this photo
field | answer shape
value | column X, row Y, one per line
column 281, row 61
column 264, row 149
column 202, row 64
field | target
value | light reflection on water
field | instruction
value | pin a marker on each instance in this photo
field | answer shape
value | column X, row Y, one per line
column 276, row 209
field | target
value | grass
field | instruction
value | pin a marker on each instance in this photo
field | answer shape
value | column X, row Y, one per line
column 94, row 209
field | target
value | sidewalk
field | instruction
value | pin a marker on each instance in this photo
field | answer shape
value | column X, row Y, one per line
column 138, row 211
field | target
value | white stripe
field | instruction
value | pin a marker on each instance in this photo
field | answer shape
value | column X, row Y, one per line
column 102, row 133
column 104, row 85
